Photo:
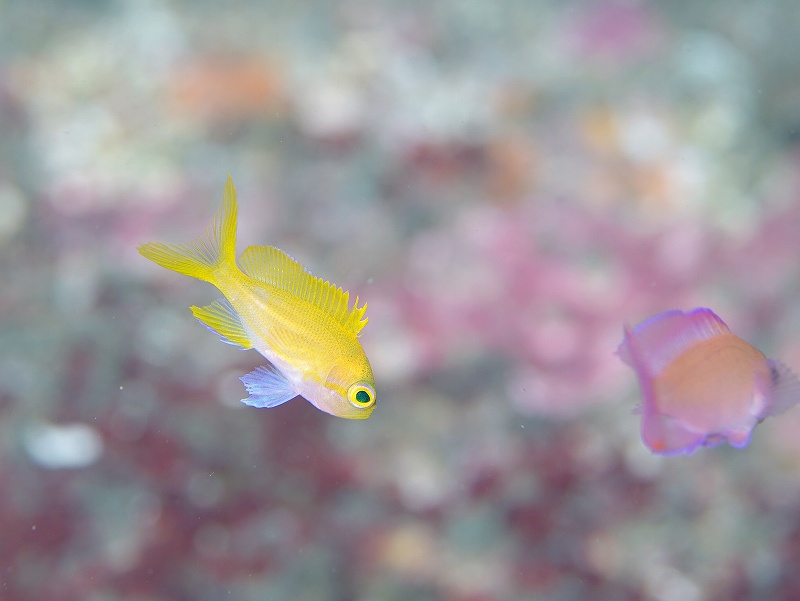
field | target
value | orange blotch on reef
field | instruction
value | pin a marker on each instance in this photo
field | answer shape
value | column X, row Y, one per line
column 228, row 88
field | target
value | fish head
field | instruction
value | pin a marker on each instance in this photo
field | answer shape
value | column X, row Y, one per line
column 347, row 391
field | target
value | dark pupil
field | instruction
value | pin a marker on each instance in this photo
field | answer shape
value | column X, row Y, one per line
column 362, row 396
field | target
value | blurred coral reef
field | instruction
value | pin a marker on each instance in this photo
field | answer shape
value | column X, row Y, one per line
column 506, row 184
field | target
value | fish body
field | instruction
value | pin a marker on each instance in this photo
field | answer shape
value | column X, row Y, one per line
column 304, row 326
column 701, row 384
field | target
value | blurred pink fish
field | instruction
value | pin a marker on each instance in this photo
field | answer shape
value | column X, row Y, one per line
column 702, row 385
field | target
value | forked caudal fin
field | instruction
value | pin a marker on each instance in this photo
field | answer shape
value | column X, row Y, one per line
column 214, row 248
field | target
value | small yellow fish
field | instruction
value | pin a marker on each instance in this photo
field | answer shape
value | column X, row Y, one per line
column 302, row 324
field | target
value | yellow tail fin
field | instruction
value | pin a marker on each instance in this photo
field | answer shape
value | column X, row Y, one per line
column 214, row 249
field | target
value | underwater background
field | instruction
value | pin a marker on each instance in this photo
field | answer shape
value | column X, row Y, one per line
column 505, row 183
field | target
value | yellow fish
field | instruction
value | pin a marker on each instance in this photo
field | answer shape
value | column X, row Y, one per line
column 302, row 324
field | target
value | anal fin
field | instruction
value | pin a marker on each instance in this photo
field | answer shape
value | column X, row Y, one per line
column 221, row 318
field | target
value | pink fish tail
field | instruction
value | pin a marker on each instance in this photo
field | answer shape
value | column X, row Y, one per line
column 782, row 392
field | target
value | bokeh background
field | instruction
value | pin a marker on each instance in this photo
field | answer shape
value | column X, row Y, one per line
column 506, row 183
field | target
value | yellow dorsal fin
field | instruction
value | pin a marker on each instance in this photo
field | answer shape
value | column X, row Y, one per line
column 274, row 267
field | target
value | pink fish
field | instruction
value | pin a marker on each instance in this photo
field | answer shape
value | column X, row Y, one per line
column 702, row 385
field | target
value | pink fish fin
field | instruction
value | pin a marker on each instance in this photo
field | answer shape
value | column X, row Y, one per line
column 644, row 332
column 784, row 390
column 624, row 349
column 663, row 337
column 714, row 440
column 663, row 435
column 738, row 438
column 267, row 387
column 666, row 435
column 647, row 407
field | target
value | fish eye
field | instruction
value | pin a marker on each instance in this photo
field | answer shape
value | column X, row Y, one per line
column 361, row 396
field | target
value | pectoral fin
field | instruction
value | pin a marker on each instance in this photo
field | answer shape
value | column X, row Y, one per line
column 268, row 387
column 221, row 318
